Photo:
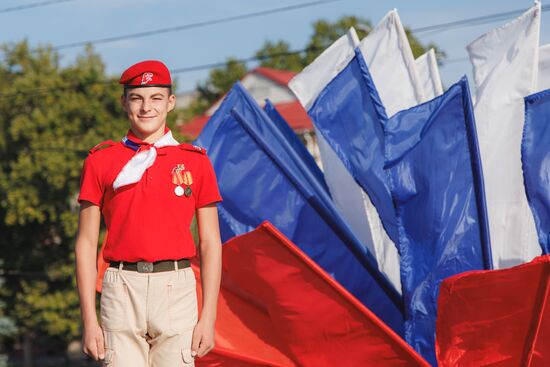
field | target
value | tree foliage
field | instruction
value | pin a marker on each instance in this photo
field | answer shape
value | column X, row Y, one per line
column 50, row 116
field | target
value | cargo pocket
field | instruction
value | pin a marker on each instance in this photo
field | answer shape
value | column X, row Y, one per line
column 182, row 300
column 109, row 358
column 114, row 300
column 186, row 357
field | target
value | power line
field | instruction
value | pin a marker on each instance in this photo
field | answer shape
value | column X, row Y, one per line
column 33, row 5
column 474, row 21
column 194, row 25
column 40, row 91
column 80, row 84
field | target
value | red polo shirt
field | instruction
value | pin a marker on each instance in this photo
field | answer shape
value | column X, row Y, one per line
column 147, row 221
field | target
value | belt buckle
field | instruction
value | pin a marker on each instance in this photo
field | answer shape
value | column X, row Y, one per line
column 144, row 267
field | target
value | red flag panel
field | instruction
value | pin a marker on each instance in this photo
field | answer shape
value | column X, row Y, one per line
column 319, row 321
column 498, row 317
column 243, row 335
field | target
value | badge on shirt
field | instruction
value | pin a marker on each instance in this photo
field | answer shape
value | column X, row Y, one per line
column 181, row 177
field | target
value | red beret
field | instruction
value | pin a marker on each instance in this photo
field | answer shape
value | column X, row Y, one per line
column 150, row 73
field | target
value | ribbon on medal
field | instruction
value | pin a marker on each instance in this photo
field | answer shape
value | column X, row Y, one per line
column 181, row 177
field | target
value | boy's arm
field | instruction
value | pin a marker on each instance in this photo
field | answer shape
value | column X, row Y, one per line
column 211, row 264
column 86, row 274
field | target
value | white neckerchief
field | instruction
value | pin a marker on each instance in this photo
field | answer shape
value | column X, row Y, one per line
column 135, row 167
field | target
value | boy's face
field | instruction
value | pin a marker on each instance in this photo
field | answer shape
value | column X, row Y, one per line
column 148, row 107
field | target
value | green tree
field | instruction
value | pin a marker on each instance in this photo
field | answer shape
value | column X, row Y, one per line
column 325, row 33
column 277, row 55
column 218, row 83
column 50, row 116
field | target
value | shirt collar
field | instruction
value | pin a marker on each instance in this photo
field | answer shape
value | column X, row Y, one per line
column 132, row 137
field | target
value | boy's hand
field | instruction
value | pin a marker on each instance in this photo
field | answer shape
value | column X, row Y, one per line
column 92, row 342
column 203, row 338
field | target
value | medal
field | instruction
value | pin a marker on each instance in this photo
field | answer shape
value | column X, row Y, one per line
column 179, row 177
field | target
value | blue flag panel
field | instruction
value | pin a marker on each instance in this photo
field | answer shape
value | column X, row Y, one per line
column 434, row 170
column 294, row 141
column 535, row 157
column 350, row 116
column 261, row 178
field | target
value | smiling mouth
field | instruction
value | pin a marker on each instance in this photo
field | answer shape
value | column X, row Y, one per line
column 146, row 117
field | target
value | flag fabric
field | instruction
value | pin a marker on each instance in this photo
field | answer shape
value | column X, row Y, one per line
column 316, row 319
column 350, row 199
column 244, row 332
column 543, row 82
column 505, row 62
column 390, row 60
column 301, row 151
column 436, row 182
column 536, row 162
column 496, row 318
column 260, row 178
column 348, row 115
column 428, row 73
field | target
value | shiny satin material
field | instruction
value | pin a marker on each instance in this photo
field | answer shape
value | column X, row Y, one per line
column 317, row 322
column 350, row 116
column 535, row 157
column 496, row 318
column 436, row 182
column 261, row 179
column 299, row 147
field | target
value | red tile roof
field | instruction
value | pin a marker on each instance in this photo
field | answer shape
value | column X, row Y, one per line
column 295, row 115
column 282, row 77
column 194, row 127
column 292, row 112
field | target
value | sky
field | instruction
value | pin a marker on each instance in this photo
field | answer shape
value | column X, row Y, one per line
column 82, row 20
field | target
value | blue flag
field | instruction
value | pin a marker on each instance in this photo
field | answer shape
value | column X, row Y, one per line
column 535, row 157
column 261, row 178
column 434, row 169
column 349, row 114
column 295, row 142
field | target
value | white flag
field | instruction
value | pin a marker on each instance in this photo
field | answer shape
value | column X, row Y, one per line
column 505, row 62
column 391, row 63
column 544, row 68
column 354, row 204
column 428, row 73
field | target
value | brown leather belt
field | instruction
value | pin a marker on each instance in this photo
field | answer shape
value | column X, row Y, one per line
column 151, row 267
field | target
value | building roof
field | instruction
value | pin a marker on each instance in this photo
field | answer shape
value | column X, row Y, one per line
column 282, row 77
column 292, row 112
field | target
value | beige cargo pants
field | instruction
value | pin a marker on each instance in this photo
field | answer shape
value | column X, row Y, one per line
column 148, row 318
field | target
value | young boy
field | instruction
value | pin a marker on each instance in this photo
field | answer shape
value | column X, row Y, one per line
column 147, row 187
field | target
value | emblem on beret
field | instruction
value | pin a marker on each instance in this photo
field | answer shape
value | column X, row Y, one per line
column 147, row 77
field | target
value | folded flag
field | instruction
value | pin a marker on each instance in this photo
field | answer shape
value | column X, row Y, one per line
column 435, row 176
column 314, row 317
column 536, row 162
column 261, row 178
column 505, row 63
column 301, row 151
column 496, row 318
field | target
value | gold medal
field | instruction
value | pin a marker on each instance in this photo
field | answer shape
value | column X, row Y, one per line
column 179, row 191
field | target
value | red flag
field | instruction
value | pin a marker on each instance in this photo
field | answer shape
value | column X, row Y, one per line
column 317, row 321
column 497, row 317
column 244, row 335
